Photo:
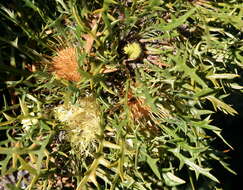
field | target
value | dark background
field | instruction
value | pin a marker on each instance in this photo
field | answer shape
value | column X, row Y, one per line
column 232, row 132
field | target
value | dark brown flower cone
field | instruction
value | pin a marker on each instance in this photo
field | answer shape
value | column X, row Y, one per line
column 65, row 64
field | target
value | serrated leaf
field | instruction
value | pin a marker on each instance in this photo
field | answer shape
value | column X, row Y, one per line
column 5, row 164
column 177, row 22
column 192, row 149
column 218, row 104
column 152, row 164
column 9, row 12
column 198, row 112
column 106, row 88
column 205, row 124
column 191, row 72
column 42, row 153
column 224, row 164
column 26, row 166
column 176, row 152
column 172, row 180
column 205, row 92
column 44, row 125
column 220, row 136
column 198, row 170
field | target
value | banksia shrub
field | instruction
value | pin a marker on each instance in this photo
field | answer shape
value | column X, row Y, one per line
column 141, row 82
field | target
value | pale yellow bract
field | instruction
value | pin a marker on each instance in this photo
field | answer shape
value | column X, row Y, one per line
column 82, row 124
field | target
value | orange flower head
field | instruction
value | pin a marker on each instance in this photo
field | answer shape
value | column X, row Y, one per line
column 65, row 64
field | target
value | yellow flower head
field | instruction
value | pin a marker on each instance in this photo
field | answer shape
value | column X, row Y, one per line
column 133, row 50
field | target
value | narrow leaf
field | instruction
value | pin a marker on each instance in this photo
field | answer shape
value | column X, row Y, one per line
column 24, row 108
column 223, row 76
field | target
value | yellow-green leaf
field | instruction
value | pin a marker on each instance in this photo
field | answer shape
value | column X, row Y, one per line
column 218, row 104
column 172, row 180
column 223, row 76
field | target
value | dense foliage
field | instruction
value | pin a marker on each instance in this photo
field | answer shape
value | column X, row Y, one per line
column 116, row 94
